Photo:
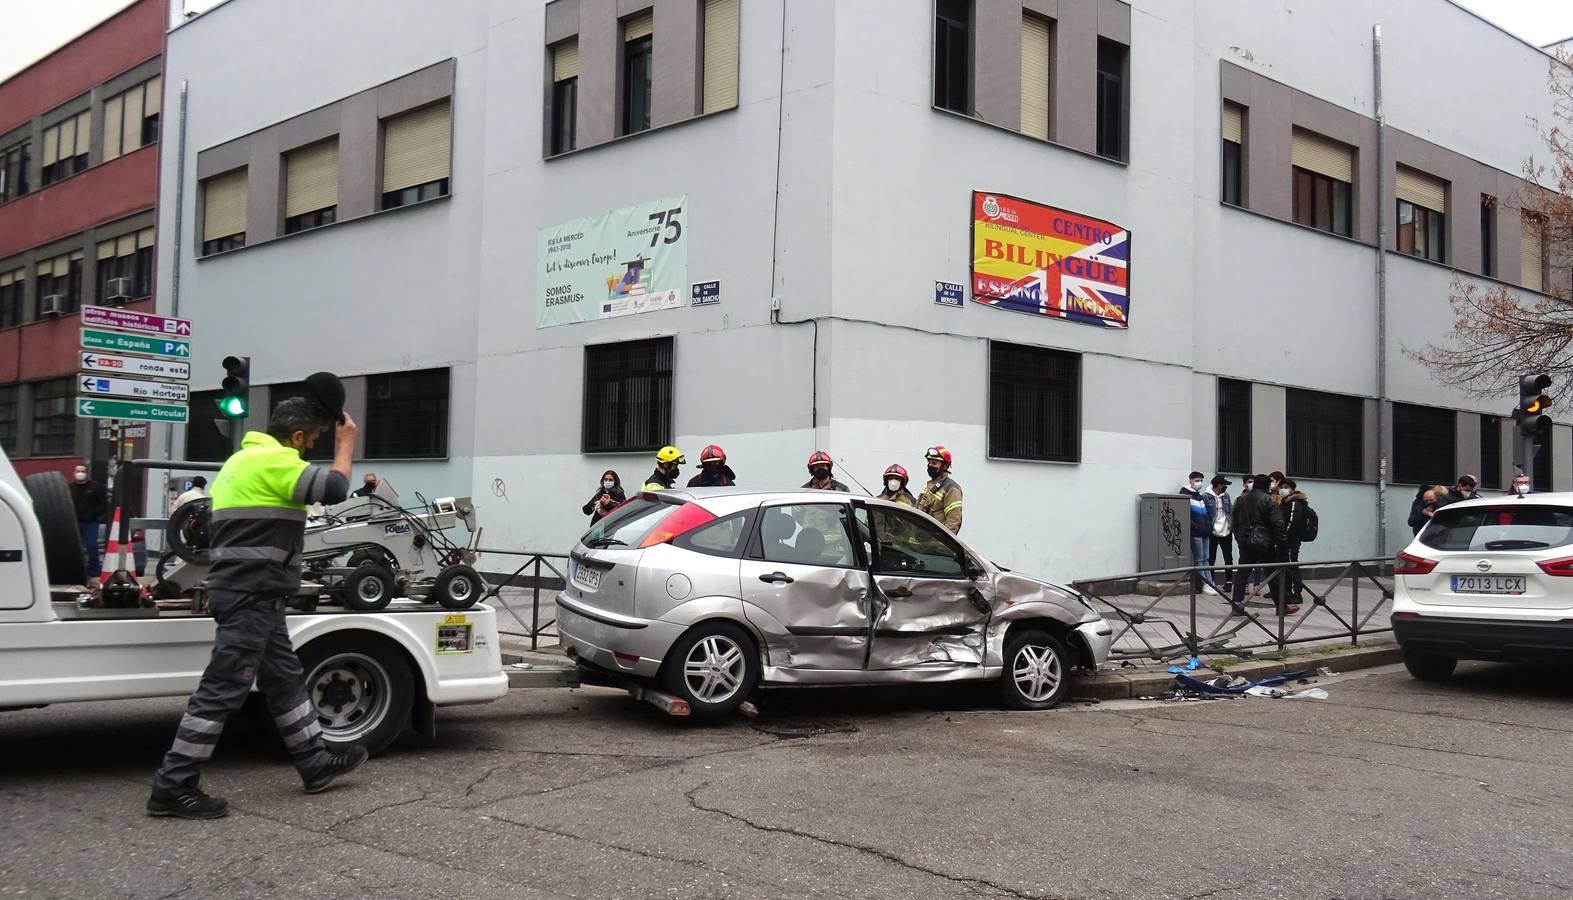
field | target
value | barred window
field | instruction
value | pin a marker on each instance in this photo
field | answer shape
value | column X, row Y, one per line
column 1234, row 425
column 9, row 414
column 1491, row 452
column 1424, row 441
column 54, row 417
column 407, row 415
column 1326, row 435
column 628, row 396
column 207, row 431
column 1034, row 403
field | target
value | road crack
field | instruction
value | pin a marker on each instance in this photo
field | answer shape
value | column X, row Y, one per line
column 895, row 859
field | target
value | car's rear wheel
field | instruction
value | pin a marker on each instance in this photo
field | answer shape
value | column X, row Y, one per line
column 1037, row 670
column 1429, row 666
column 714, row 667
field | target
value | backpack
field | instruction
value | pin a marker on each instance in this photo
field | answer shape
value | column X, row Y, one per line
column 1308, row 525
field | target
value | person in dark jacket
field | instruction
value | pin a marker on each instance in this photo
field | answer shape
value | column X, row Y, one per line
column 1421, row 509
column 606, row 498
column 91, row 502
column 1466, row 488
column 1294, row 504
column 1259, row 525
column 713, row 470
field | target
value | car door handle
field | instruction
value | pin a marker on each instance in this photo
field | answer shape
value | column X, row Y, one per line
column 776, row 578
column 899, row 592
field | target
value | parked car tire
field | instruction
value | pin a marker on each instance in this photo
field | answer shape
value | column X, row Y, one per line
column 457, row 587
column 361, row 688
column 56, row 514
column 1429, row 666
column 368, row 588
column 714, row 667
column 1037, row 670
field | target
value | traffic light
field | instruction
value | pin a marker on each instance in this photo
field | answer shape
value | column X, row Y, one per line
column 236, row 399
column 1531, row 422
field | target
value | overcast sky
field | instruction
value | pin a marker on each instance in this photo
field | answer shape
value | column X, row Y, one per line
column 33, row 29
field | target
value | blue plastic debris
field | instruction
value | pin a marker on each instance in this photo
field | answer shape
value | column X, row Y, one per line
column 1228, row 688
column 1188, row 667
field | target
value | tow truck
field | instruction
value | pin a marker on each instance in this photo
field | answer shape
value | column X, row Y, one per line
column 370, row 675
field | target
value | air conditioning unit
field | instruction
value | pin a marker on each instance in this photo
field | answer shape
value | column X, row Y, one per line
column 52, row 306
column 119, row 290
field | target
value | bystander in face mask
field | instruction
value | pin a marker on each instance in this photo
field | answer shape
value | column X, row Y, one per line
column 608, row 485
column 1196, row 485
column 1522, row 488
column 1283, row 492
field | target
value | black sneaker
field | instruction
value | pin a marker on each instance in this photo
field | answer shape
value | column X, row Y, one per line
column 190, row 803
column 338, row 764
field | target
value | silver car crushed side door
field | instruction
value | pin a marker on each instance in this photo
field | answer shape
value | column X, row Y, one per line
column 930, row 611
column 803, row 589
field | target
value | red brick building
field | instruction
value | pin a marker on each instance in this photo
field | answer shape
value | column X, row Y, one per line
column 79, row 139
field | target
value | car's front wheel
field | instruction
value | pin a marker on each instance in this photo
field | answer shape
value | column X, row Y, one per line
column 1037, row 670
column 714, row 667
column 1429, row 666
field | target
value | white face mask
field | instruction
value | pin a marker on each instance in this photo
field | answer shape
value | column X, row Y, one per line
column 1523, row 488
column 1283, row 492
column 1196, row 485
column 81, row 477
column 608, row 485
column 893, row 484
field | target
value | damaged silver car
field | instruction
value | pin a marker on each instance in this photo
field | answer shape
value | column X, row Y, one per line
column 710, row 592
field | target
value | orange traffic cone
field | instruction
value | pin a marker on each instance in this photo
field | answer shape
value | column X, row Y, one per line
column 112, row 550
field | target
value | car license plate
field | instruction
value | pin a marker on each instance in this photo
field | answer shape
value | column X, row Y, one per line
column 590, row 578
column 1488, row 584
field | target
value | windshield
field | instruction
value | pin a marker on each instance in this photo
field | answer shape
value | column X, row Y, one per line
column 1515, row 527
column 628, row 524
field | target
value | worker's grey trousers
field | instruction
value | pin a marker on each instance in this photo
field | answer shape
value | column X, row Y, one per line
column 252, row 644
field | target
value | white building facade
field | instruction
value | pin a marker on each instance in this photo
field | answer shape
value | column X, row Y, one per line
column 391, row 194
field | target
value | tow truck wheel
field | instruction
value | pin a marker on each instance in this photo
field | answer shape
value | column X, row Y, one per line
column 457, row 587
column 62, row 535
column 368, row 588
column 361, row 689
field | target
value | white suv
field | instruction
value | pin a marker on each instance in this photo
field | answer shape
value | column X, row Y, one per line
column 1487, row 579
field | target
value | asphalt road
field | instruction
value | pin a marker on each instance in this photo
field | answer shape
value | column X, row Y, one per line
column 1390, row 788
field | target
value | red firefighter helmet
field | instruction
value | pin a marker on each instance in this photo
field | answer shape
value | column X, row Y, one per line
column 712, row 453
column 899, row 471
column 819, row 457
column 939, row 454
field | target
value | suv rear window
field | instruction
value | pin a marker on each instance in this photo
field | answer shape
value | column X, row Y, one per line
column 1512, row 527
column 628, row 524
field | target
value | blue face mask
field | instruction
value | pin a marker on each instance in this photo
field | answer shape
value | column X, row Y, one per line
column 608, row 485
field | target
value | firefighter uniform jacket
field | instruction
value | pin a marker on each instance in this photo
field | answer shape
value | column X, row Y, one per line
column 904, row 497
column 941, row 498
column 259, row 516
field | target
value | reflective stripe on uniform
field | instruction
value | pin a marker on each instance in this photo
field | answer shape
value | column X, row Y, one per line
column 956, row 505
column 191, row 751
column 202, row 726
column 260, row 512
column 277, row 554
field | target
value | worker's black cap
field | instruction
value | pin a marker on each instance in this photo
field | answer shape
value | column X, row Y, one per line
column 1219, row 479
column 328, row 391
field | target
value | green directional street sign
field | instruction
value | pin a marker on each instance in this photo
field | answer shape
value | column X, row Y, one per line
column 94, row 339
column 132, row 410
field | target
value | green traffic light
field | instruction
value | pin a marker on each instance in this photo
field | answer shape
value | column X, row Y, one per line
column 233, row 407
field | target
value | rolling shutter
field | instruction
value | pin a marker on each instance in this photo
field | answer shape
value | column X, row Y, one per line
column 114, row 110
column 1322, row 156
column 106, row 250
column 642, row 25
column 1421, row 190
column 51, row 146
column 126, row 245
column 131, row 124
column 67, row 140
column 224, row 206
column 311, row 180
column 565, row 60
column 8, row 278
column 1035, row 77
column 144, row 238
column 415, row 148
column 720, row 55
column 1531, row 259
column 1233, row 124
column 152, row 96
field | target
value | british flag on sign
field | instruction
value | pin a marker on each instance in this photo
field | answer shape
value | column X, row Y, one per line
column 1044, row 261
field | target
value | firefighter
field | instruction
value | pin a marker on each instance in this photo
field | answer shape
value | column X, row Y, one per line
column 668, row 462
column 713, row 470
column 821, row 473
column 896, row 486
column 941, row 497
column 259, row 526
